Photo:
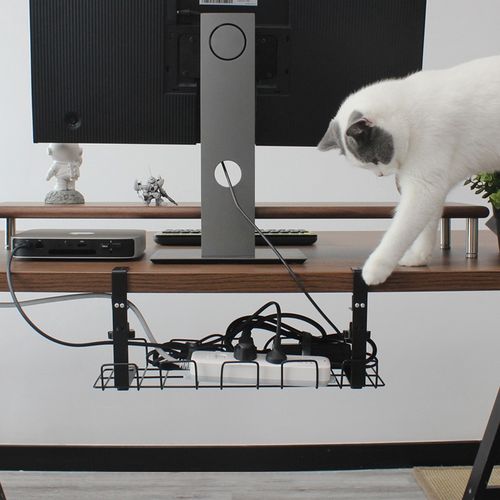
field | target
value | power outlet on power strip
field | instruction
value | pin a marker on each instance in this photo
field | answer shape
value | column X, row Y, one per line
column 297, row 370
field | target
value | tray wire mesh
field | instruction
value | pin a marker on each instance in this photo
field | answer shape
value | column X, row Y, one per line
column 185, row 376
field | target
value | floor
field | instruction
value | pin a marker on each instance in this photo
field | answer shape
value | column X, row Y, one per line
column 338, row 485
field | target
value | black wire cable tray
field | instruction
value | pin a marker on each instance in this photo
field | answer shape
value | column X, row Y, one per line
column 358, row 371
column 180, row 376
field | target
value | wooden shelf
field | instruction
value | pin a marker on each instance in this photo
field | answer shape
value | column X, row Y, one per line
column 192, row 211
column 328, row 269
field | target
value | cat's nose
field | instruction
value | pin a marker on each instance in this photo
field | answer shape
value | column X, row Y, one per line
column 380, row 174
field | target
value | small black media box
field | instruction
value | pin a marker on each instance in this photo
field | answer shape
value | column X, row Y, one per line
column 80, row 244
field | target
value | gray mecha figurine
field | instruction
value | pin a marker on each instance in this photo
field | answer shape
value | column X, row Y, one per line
column 67, row 159
column 151, row 190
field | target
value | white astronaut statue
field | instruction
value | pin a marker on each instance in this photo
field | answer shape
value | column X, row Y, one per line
column 66, row 170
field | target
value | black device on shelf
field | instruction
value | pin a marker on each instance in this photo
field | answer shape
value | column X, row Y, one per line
column 279, row 237
column 80, row 244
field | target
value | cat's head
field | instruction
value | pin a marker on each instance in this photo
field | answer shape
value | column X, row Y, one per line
column 366, row 141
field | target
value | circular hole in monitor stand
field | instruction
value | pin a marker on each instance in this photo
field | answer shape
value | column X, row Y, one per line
column 233, row 170
column 228, row 42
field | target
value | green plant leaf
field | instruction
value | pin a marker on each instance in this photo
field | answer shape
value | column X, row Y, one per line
column 487, row 185
column 495, row 200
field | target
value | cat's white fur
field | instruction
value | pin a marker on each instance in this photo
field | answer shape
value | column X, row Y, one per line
column 445, row 127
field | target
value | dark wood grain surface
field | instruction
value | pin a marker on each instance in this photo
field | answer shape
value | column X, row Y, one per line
column 318, row 210
column 328, row 269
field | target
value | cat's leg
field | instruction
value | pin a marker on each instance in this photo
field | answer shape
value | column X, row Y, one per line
column 421, row 250
column 420, row 205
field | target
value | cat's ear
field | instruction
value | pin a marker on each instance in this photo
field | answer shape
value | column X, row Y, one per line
column 361, row 130
column 331, row 140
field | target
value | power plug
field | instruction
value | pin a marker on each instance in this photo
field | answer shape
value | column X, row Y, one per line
column 245, row 349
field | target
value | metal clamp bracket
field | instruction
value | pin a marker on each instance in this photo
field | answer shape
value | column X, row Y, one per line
column 358, row 333
column 121, row 332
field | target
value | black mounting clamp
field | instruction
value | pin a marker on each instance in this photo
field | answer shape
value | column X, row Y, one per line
column 121, row 333
column 358, row 333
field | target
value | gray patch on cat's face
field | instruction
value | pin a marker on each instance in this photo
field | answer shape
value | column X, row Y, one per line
column 332, row 139
column 367, row 142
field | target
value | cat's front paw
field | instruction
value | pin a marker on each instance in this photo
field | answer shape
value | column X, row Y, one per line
column 414, row 259
column 376, row 270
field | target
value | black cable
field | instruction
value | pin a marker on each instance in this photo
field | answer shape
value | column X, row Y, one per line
column 181, row 350
column 10, row 285
column 276, row 354
column 278, row 315
column 268, row 323
column 373, row 354
column 214, row 339
column 299, row 317
column 295, row 278
column 244, row 326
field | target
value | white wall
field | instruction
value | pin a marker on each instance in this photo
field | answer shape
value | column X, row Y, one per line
column 438, row 352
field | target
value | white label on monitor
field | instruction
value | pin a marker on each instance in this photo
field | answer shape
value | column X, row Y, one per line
column 236, row 3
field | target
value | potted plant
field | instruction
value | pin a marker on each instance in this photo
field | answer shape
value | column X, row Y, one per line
column 488, row 186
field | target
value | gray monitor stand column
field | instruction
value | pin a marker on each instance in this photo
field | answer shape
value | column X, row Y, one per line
column 227, row 132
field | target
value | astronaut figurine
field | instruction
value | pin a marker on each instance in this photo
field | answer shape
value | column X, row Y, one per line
column 152, row 190
column 67, row 159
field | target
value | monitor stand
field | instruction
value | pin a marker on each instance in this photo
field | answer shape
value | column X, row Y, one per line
column 227, row 134
column 194, row 256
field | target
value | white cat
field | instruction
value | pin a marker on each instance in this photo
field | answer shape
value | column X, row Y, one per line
column 432, row 129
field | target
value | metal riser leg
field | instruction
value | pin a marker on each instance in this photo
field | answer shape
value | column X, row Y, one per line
column 445, row 234
column 10, row 231
column 471, row 245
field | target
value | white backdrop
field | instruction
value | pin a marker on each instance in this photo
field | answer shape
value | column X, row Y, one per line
column 438, row 351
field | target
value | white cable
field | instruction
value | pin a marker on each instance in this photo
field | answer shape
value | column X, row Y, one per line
column 59, row 298
column 78, row 296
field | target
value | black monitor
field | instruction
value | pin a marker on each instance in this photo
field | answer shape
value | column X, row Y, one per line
column 128, row 71
column 227, row 73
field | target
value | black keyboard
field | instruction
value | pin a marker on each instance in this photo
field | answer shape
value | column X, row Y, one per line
column 192, row 237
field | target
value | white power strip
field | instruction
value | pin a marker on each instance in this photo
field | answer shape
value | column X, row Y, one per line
column 297, row 370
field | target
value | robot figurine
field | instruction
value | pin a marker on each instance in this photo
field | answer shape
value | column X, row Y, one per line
column 67, row 159
column 151, row 190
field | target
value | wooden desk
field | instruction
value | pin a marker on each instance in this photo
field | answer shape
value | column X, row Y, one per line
column 328, row 269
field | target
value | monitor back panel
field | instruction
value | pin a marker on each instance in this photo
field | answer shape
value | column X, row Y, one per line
column 127, row 71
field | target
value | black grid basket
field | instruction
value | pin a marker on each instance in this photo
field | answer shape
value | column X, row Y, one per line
column 183, row 374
